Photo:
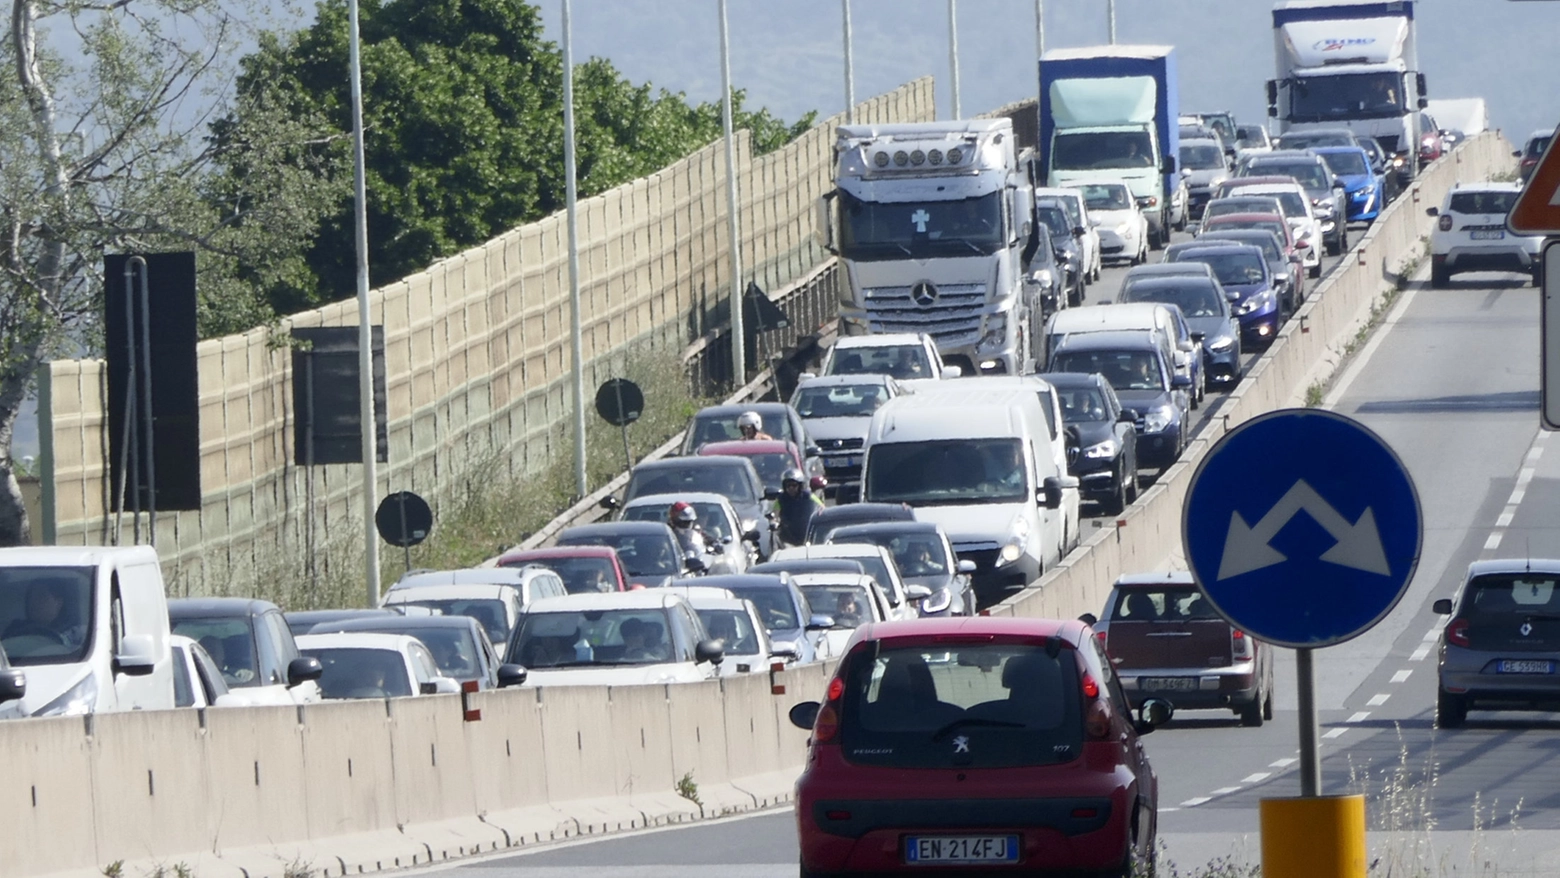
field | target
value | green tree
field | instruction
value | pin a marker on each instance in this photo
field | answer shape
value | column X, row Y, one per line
column 464, row 128
column 100, row 152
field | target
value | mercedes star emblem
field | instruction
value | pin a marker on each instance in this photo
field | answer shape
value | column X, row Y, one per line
column 924, row 294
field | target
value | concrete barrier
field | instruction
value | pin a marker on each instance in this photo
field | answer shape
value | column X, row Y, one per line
column 344, row 788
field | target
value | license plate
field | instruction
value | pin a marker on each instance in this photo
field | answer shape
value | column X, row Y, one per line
column 847, row 460
column 1168, row 684
column 1525, row 666
column 921, row 849
column 1487, row 235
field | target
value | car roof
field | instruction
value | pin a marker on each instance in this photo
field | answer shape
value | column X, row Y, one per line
column 1550, row 566
column 1070, row 630
column 703, row 602
column 602, row 528
column 1264, row 189
column 669, row 499
column 1489, row 186
column 833, row 577
column 1175, row 282
column 1172, row 577
column 1256, row 180
column 846, row 380
column 1201, row 141
column 510, row 576
column 639, row 599
column 742, row 580
column 193, row 608
column 877, row 340
column 713, row 462
column 401, row 623
column 744, row 447
column 356, row 640
column 864, row 509
column 892, row 527
column 461, row 592
column 1233, row 233
column 733, row 409
column 828, row 550
column 816, row 565
column 1113, row 340
column 692, row 593
column 332, row 615
column 557, row 553
column 1333, row 150
column 1170, row 269
column 1223, row 246
column 1284, row 156
column 1228, row 218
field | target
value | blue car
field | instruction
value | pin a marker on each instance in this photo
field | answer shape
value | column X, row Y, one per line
column 1247, row 279
column 1365, row 190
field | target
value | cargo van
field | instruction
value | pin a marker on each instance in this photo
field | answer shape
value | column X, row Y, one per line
column 979, row 464
column 89, row 625
column 1183, row 349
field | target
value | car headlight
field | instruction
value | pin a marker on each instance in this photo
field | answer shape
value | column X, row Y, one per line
column 1017, row 542
column 1102, row 450
column 1040, row 278
column 1124, row 229
column 75, row 701
column 1368, row 189
column 1258, row 302
column 940, row 600
column 1158, row 419
column 1221, row 344
column 996, row 332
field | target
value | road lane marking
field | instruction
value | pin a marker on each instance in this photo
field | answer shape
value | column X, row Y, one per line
column 1341, row 386
column 1335, row 733
column 1378, row 699
column 1192, row 803
column 1402, row 675
column 1534, row 453
column 1172, row 808
column 1432, row 634
column 1504, row 520
column 1494, row 541
column 1419, row 654
column 1224, row 791
column 1358, row 717
column 1525, row 476
column 1516, row 496
column 1283, row 763
column 1256, row 778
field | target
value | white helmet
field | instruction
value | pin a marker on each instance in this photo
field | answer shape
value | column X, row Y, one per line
column 750, row 419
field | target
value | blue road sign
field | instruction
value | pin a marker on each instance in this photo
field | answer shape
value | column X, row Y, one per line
column 1302, row 527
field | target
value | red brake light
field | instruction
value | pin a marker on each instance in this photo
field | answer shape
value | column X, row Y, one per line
column 1457, row 632
column 836, row 689
column 827, row 726
column 1091, row 689
column 1445, row 223
column 1101, row 635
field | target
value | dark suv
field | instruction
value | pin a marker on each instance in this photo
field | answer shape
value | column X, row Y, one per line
column 1137, row 367
column 976, row 745
column 1101, row 439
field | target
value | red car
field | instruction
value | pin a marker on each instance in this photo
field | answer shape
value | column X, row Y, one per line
column 976, row 743
column 771, row 457
column 583, row 569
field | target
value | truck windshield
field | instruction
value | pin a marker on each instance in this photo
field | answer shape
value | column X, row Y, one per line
column 1102, row 149
column 45, row 614
column 955, row 471
column 1346, row 96
column 871, row 230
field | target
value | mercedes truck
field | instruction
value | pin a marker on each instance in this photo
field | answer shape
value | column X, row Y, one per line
column 1112, row 113
column 929, row 220
column 1350, row 65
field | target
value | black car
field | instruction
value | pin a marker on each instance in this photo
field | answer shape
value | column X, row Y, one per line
column 648, row 549
column 1138, row 369
column 1066, row 243
column 1101, row 439
column 925, row 557
column 826, row 521
column 1206, row 306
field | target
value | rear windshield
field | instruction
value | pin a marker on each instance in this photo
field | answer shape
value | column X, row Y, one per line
column 1522, row 594
column 45, row 614
column 916, row 554
column 712, row 518
column 1194, row 300
column 1201, row 157
column 947, row 472
column 721, row 428
column 1123, row 370
column 1482, row 202
column 1160, row 604
column 586, row 638
column 988, row 705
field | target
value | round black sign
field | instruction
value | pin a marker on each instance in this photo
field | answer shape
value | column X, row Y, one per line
column 403, row 519
column 619, row 401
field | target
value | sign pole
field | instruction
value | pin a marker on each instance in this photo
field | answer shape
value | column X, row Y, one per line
column 1310, row 758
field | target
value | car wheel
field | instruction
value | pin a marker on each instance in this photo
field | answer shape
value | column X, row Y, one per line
column 1252, row 715
column 1097, row 269
column 1156, row 239
column 1440, row 277
column 1314, row 271
column 1117, row 502
column 1450, row 710
column 1538, row 277
column 1343, row 238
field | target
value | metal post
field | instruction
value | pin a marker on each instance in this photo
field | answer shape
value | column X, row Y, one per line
column 953, row 54
column 406, row 548
column 628, row 456
column 850, row 70
column 734, row 227
column 146, row 401
column 129, row 436
column 365, row 329
column 571, row 197
column 308, row 464
column 1310, row 759
column 1039, row 28
column 1110, row 17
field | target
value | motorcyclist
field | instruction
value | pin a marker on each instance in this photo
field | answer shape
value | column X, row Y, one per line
column 794, row 508
column 751, row 426
column 692, row 541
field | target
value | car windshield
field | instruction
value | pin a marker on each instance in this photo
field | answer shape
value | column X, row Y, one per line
column 776, row 609
column 641, row 554
column 228, row 640
column 915, row 554
column 361, row 673
column 905, row 361
column 592, row 637
column 1069, row 205
column 1310, row 175
column 45, row 614
column 712, row 518
column 710, row 474
column 1123, row 370
column 583, row 575
column 1055, row 220
column 849, row 605
column 953, row 471
column 1346, row 163
column 1087, row 151
column 1482, row 202
column 721, row 428
column 1223, row 206
column 986, row 705
column 1194, row 299
column 1233, row 267
column 872, row 230
column 454, row 650
column 734, row 627
column 1082, row 405
column 1100, row 196
column 1345, row 96
column 1202, row 157
column 488, row 613
column 1249, row 136
column 1171, row 603
column 841, row 400
column 1290, row 204
column 1276, row 226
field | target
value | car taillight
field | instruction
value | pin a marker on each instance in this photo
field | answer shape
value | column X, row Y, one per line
column 1445, row 223
column 1457, row 632
column 827, row 727
column 1240, row 644
column 836, row 689
column 1101, row 635
column 1091, row 689
column 1528, row 163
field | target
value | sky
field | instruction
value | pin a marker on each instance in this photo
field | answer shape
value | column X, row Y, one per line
column 788, row 54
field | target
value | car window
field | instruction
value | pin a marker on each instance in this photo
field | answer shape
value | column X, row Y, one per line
column 1193, row 300
column 1232, row 267
column 1482, row 202
column 1124, row 369
column 651, row 554
column 986, row 470
column 1308, row 174
column 898, row 361
column 1202, row 157
column 592, row 637
column 1346, row 163
column 1048, row 405
column 734, row 627
column 230, row 644
column 583, row 574
column 1083, row 405
column 45, row 614
column 1171, row 603
column 1101, row 196
column 362, row 673
column 776, row 608
column 706, row 475
column 1537, row 145
column 454, row 650
column 988, row 705
column 489, row 613
column 183, row 691
column 840, row 400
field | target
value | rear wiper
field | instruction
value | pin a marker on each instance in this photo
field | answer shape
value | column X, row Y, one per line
column 975, row 721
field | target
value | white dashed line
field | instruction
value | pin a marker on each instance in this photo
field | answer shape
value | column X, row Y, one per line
column 1419, row 654
column 1432, row 634
column 1494, row 541
column 1534, row 454
column 1525, row 476
column 1378, row 699
column 1516, row 496
column 1335, row 733
column 1192, row 803
column 1224, row 791
column 1283, row 763
column 1400, row 676
column 1358, row 717
column 1165, row 810
column 1257, row 778
column 1505, row 517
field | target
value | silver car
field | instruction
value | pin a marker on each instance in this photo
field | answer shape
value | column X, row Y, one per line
column 1501, row 648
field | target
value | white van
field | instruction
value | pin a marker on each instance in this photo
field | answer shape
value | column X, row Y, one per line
column 1181, row 347
column 90, row 627
column 978, row 464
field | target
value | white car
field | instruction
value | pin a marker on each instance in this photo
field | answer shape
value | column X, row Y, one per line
column 491, row 595
column 877, row 561
column 838, row 410
column 1078, row 212
column 1303, row 224
column 365, row 665
column 736, row 550
column 198, row 683
column 1122, row 227
column 735, row 622
column 1470, row 235
column 851, row 600
column 907, row 356
column 644, row 637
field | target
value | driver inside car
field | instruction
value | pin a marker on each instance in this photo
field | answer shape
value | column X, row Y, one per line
column 49, row 614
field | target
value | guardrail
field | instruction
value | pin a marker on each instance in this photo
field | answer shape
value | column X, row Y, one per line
column 357, row 786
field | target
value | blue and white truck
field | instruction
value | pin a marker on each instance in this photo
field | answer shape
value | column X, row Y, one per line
column 1350, row 65
column 1112, row 113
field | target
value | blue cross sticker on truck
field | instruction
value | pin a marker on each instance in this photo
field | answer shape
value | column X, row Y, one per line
column 1302, row 527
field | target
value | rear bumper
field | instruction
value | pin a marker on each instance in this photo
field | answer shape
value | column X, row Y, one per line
column 1486, row 259
column 1233, row 687
column 1472, row 675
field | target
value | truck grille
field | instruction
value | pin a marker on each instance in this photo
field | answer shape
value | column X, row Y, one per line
column 952, row 319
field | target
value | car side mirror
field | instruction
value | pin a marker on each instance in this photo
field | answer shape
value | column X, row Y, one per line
column 1180, row 382
column 783, row 649
column 804, row 715
column 1516, row 153
column 510, row 674
column 813, row 451
column 1079, row 231
column 712, row 651
column 1442, row 607
column 915, row 593
column 441, row 686
column 953, row 372
column 1168, row 165
column 1198, row 336
column 1126, row 416
column 771, row 494
column 1232, row 296
column 751, row 536
column 1432, row 211
column 13, row 684
column 1154, row 713
column 303, row 669
column 806, row 375
column 820, row 622
column 1050, row 493
column 137, row 655
column 609, row 503
column 428, row 687
column 965, row 565
column 1088, row 619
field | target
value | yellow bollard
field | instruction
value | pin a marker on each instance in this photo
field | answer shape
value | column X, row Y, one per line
column 1319, row 837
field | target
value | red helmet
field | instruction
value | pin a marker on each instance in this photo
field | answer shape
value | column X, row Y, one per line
column 682, row 511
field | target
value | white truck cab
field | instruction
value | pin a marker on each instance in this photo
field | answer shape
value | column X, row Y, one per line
column 89, row 625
